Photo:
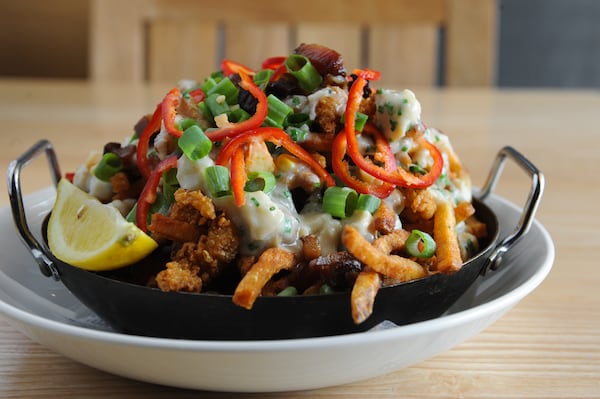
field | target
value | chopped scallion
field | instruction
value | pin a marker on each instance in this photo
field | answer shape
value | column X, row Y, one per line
column 217, row 180
column 420, row 244
column 260, row 181
column 297, row 119
column 262, row 78
column 194, row 143
column 368, row 202
column 301, row 68
column 277, row 111
column 108, row 166
column 238, row 115
column 288, row 291
column 339, row 202
column 225, row 87
column 217, row 104
column 359, row 121
column 187, row 122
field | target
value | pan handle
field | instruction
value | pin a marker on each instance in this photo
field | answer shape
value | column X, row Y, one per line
column 39, row 250
column 530, row 208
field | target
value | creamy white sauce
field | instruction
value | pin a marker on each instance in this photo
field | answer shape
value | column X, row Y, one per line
column 338, row 94
column 190, row 174
column 265, row 220
column 396, row 112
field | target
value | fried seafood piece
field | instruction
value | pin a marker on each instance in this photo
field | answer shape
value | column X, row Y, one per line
column 214, row 251
column 172, row 229
column 420, row 205
column 196, row 200
column 384, row 219
column 327, row 116
column 179, row 276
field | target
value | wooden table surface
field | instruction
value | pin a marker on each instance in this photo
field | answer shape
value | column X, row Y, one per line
column 548, row 346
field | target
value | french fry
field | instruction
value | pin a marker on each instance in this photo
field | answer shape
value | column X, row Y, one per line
column 396, row 267
column 269, row 263
column 463, row 210
column 444, row 233
column 363, row 295
column 389, row 243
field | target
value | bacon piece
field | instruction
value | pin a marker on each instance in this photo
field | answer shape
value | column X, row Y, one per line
column 324, row 59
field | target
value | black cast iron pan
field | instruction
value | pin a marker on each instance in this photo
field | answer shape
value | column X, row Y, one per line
column 135, row 309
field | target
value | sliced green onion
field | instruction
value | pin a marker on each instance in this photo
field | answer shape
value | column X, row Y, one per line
column 225, row 87
column 187, row 122
column 194, row 143
column 296, row 133
column 339, row 202
column 217, row 180
column 262, row 78
column 326, row 289
column 301, row 68
column 108, row 166
column 420, row 244
column 277, row 111
column 367, row 202
column 260, row 181
column 208, row 84
column 203, row 108
column 359, row 121
column 288, row 291
column 170, row 184
column 414, row 168
column 238, row 115
column 297, row 119
column 217, row 104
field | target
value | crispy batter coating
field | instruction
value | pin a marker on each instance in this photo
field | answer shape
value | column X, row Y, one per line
column 214, row 251
column 311, row 247
column 179, row 276
column 420, row 204
column 196, row 200
column 384, row 219
column 172, row 229
column 327, row 117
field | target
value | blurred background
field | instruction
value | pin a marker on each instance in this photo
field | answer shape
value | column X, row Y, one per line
column 505, row 43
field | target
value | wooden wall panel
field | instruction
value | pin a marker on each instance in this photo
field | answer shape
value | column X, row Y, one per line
column 405, row 55
column 181, row 49
column 251, row 43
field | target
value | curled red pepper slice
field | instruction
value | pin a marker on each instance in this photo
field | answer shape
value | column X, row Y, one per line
column 273, row 63
column 251, row 123
column 238, row 176
column 148, row 195
column 169, row 112
column 143, row 145
column 275, row 136
column 341, row 168
column 197, row 95
column 399, row 176
column 230, row 67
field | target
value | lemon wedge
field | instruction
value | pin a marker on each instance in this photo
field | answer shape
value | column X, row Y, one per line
column 85, row 233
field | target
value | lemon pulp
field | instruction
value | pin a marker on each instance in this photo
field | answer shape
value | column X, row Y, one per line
column 85, row 233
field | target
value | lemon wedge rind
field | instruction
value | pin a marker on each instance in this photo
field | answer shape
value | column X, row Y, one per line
column 90, row 235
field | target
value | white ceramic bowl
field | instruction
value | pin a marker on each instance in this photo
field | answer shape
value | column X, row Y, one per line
column 45, row 311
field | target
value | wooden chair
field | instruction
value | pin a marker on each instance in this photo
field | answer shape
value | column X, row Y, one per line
column 407, row 40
